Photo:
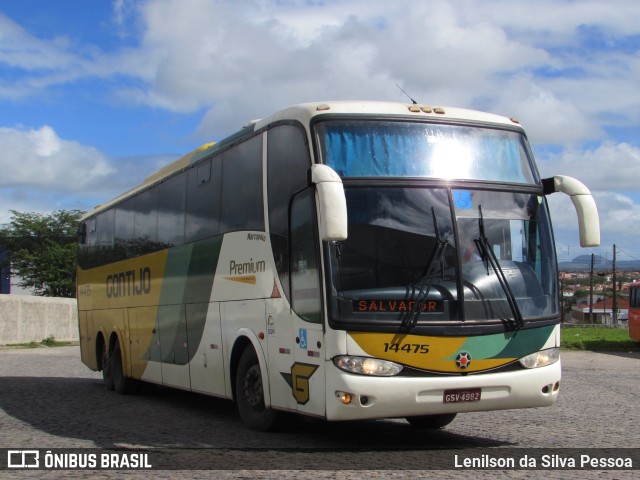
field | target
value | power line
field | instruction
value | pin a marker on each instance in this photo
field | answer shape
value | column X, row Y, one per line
column 627, row 253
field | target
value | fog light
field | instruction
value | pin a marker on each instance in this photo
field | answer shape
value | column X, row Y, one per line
column 344, row 397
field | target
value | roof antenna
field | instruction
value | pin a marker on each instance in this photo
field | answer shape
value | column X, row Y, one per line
column 412, row 100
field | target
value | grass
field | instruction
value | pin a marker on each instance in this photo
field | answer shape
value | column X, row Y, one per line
column 598, row 339
column 50, row 341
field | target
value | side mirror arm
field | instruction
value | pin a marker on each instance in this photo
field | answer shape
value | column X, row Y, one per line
column 588, row 219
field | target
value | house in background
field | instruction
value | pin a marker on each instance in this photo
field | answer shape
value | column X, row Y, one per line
column 602, row 312
column 9, row 283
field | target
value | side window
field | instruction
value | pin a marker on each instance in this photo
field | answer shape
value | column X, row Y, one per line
column 103, row 249
column 92, row 232
column 287, row 152
column 88, row 240
column 124, row 229
column 242, row 187
column 172, row 196
column 203, row 201
column 305, row 274
column 105, row 229
column 145, row 230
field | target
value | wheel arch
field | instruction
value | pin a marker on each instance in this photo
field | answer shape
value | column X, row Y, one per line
column 247, row 339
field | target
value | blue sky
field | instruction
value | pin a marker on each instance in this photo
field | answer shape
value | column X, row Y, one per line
column 95, row 95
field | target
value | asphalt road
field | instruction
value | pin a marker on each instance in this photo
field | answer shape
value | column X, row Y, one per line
column 49, row 400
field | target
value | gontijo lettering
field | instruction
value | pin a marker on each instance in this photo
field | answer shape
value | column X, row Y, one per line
column 131, row 282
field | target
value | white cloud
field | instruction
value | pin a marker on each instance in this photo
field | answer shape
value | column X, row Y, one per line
column 42, row 172
column 610, row 166
column 39, row 157
column 195, row 54
column 239, row 60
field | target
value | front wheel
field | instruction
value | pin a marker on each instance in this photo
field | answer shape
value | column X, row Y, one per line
column 432, row 421
column 250, row 394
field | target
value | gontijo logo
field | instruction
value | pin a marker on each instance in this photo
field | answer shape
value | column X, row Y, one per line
column 463, row 360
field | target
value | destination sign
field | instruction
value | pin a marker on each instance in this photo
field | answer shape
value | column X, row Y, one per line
column 391, row 306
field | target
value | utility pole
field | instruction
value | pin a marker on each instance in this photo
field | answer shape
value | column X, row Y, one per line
column 561, row 298
column 591, row 291
column 614, row 307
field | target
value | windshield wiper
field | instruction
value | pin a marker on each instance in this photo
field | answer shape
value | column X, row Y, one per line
column 411, row 318
column 489, row 257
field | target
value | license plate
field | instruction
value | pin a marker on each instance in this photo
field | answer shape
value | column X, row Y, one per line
column 462, row 395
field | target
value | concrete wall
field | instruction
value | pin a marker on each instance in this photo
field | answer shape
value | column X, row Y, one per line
column 32, row 319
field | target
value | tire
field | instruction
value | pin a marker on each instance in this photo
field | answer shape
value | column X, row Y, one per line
column 432, row 421
column 250, row 395
column 121, row 383
column 107, row 377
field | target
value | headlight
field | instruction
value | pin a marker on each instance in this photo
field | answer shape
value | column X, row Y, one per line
column 541, row 358
column 367, row 366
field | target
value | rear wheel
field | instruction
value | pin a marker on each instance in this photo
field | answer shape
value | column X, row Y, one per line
column 107, row 377
column 432, row 421
column 250, row 394
column 121, row 383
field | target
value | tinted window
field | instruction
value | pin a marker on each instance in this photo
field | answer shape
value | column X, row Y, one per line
column 145, row 230
column 125, row 213
column 287, row 152
column 172, row 196
column 242, row 187
column 305, row 274
column 203, row 201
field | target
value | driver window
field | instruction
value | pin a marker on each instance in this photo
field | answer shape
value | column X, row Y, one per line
column 305, row 275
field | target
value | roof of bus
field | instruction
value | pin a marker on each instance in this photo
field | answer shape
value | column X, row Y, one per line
column 304, row 112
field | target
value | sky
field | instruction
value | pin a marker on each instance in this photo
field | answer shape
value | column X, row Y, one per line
column 95, row 95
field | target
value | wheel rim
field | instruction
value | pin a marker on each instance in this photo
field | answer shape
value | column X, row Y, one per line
column 253, row 388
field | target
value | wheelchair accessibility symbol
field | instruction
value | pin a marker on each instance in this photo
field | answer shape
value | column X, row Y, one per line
column 302, row 335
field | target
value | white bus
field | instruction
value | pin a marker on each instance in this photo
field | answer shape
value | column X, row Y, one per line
column 342, row 260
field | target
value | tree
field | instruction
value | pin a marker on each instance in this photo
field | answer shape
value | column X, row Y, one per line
column 43, row 250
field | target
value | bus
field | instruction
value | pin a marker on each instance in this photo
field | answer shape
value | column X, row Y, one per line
column 341, row 260
column 634, row 311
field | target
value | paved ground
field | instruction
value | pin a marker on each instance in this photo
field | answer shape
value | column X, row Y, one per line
column 48, row 399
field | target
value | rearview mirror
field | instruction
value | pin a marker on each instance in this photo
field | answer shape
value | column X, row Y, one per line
column 332, row 203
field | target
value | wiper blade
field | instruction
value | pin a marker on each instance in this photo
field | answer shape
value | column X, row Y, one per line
column 489, row 258
column 411, row 318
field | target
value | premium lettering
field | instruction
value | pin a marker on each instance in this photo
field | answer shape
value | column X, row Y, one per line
column 244, row 268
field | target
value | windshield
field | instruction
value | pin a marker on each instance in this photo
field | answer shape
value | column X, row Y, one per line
column 375, row 148
column 413, row 256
